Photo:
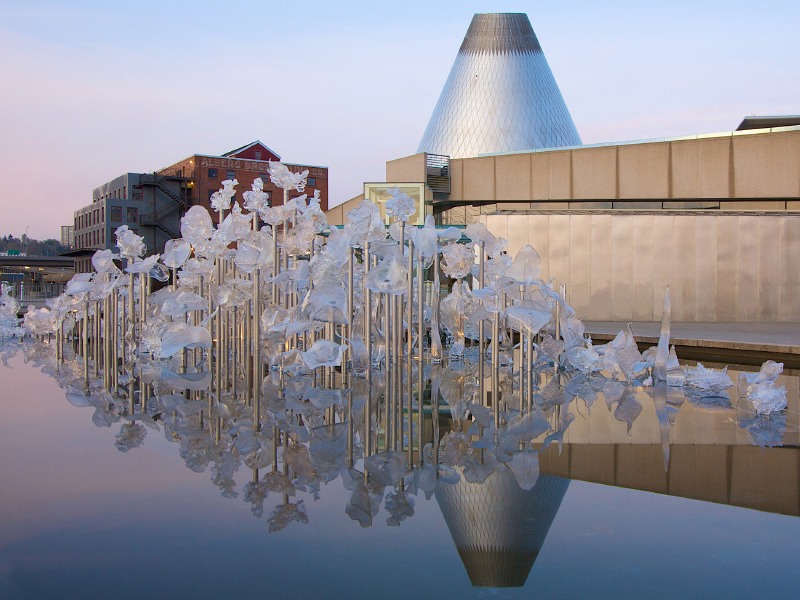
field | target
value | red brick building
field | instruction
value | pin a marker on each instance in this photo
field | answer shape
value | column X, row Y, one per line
column 206, row 174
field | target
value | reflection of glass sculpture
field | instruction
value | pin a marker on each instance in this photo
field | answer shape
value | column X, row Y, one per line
column 9, row 321
column 307, row 353
column 760, row 388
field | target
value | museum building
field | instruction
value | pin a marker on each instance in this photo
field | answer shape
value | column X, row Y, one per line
column 714, row 216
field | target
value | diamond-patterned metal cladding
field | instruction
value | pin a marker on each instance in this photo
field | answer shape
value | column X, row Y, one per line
column 498, row 528
column 500, row 96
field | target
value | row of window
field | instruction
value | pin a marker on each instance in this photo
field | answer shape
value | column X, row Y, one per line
column 83, row 265
column 131, row 214
column 234, row 199
column 90, row 218
column 120, row 194
column 91, row 238
column 94, row 238
column 214, row 174
column 96, row 216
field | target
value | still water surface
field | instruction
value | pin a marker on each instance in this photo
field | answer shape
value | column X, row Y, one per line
column 83, row 519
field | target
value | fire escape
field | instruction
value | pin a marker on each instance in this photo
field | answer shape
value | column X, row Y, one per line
column 170, row 201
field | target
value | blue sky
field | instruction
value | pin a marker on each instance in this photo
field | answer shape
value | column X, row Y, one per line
column 94, row 89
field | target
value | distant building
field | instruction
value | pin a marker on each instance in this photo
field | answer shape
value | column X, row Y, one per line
column 68, row 236
column 205, row 174
column 152, row 204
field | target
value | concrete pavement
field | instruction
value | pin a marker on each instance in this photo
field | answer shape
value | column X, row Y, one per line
column 772, row 338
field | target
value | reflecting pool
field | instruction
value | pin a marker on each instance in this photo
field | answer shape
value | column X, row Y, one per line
column 153, row 487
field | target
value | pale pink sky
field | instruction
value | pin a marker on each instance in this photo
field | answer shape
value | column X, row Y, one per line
column 92, row 90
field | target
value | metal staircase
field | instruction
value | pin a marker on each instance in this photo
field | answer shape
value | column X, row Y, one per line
column 173, row 202
column 437, row 173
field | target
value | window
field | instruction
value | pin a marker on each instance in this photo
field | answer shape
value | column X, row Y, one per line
column 212, row 173
column 230, row 174
column 258, row 154
column 133, row 214
column 312, row 181
column 264, row 177
column 137, row 194
column 103, row 214
column 116, row 214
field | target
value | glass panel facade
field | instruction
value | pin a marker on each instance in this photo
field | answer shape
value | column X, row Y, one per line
column 421, row 193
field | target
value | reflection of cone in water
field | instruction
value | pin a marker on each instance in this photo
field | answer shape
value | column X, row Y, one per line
column 498, row 528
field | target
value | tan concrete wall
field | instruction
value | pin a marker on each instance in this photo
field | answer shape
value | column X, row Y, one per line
column 456, row 179
column 644, row 170
column 750, row 166
column 767, row 165
column 594, row 174
column 540, row 174
column 551, row 175
column 710, row 458
column 701, row 168
column 733, row 267
column 734, row 475
column 336, row 215
column 409, row 169
column 513, row 177
column 478, row 178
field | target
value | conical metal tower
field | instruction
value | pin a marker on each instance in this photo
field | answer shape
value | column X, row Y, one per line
column 500, row 96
